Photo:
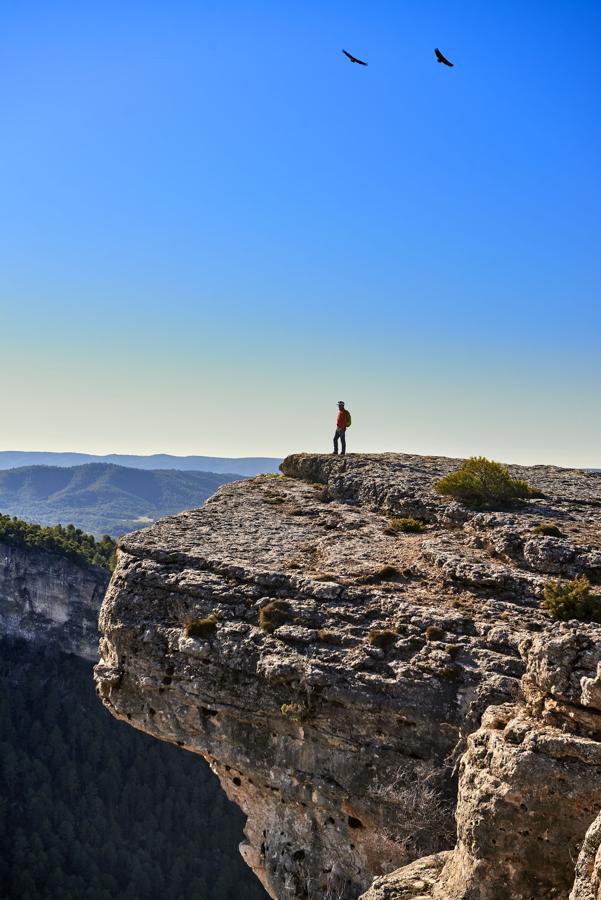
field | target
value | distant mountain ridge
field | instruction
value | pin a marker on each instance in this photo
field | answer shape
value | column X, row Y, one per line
column 244, row 465
column 102, row 498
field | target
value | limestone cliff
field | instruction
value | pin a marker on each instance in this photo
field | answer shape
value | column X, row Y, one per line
column 48, row 597
column 331, row 672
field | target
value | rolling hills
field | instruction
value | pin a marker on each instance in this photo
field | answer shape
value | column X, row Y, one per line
column 103, row 498
column 246, row 465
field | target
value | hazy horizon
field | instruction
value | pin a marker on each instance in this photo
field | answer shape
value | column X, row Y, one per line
column 215, row 227
column 199, row 453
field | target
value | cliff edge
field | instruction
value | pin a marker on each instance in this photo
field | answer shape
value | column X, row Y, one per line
column 47, row 597
column 335, row 672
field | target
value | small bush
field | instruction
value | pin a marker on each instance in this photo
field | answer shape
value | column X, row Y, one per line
column 404, row 525
column 274, row 614
column 383, row 638
column 548, row 530
column 202, row 628
column 482, row 483
column 434, row 633
column 565, row 600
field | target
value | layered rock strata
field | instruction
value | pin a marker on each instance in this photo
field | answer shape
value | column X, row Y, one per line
column 46, row 597
column 331, row 671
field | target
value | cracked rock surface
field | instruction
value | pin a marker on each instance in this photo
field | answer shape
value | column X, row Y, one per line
column 336, row 671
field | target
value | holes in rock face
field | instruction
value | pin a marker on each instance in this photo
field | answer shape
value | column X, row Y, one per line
column 263, row 849
column 129, row 717
column 180, row 743
column 352, row 846
column 236, row 781
column 167, row 679
column 151, row 711
column 298, row 855
column 169, row 670
column 354, row 823
column 208, row 712
column 330, row 821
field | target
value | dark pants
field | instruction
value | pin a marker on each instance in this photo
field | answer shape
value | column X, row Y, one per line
column 340, row 433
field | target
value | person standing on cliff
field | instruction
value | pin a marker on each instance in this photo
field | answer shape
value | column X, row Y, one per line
column 343, row 420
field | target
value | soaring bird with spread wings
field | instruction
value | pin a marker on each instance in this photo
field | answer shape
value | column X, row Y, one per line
column 442, row 59
column 354, row 59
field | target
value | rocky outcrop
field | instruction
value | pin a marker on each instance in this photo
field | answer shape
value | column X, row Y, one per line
column 47, row 597
column 331, row 672
column 530, row 784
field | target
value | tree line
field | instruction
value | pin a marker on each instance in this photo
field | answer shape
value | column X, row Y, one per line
column 66, row 540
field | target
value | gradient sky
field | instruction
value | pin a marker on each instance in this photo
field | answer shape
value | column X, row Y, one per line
column 214, row 227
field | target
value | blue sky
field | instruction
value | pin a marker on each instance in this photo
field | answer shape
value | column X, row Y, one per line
column 214, row 227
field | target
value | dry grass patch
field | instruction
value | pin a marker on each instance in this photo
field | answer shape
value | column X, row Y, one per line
column 202, row 628
column 382, row 638
column 548, row 530
column 274, row 614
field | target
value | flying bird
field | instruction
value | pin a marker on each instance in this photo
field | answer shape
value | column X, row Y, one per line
column 354, row 59
column 442, row 59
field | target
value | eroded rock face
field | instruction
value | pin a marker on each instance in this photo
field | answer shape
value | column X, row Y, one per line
column 530, row 784
column 587, row 884
column 342, row 668
column 47, row 597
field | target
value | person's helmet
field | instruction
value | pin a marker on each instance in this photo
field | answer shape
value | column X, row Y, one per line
column 341, row 403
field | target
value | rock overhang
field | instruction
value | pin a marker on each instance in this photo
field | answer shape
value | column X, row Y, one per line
column 312, row 714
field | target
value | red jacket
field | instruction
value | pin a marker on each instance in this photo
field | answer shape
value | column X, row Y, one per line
column 341, row 420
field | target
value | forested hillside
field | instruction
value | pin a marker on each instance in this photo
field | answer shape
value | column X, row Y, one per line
column 101, row 498
column 93, row 810
column 67, row 540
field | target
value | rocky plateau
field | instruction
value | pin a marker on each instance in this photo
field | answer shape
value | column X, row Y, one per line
column 395, row 713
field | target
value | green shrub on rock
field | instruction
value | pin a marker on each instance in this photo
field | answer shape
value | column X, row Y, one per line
column 482, row 483
column 404, row 525
column 565, row 600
